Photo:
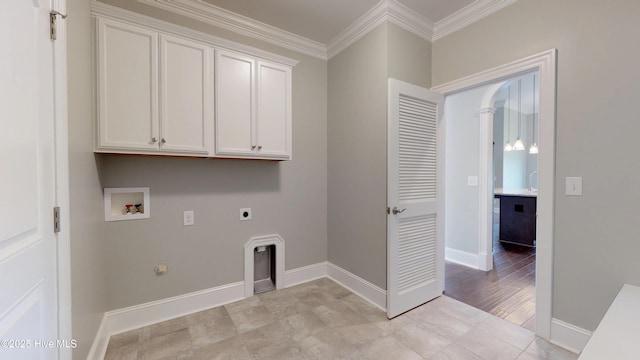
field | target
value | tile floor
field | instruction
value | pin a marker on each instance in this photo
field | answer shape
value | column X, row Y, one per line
column 322, row 320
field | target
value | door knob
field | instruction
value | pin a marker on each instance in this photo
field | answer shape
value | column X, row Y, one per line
column 396, row 211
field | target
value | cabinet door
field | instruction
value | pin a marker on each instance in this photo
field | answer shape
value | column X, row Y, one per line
column 273, row 127
column 127, row 87
column 235, row 104
column 186, row 100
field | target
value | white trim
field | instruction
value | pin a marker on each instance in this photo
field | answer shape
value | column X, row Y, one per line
column 249, row 248
column 358, row 286
column 545, row 63
column 385, row 10
column 462, row 257
column 225, row 19
column 466, row 16
column 63, row 238
column 485, row 185
column 135, row 317
column 305, row 274
column 569, row 336
column 100, row 342
column 115, row 13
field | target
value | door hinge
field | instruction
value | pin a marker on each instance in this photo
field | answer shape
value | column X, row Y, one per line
column 56, row 219
column 388, row 210
column 53, row 23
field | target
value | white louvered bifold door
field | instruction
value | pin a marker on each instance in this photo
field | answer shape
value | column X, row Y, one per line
column 415, row 259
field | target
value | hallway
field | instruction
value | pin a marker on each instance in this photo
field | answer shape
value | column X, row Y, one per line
column 508, row 291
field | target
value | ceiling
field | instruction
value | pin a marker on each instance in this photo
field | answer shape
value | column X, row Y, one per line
column 323, row 28
column 324, row 20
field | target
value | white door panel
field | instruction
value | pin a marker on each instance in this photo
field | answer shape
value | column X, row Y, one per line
column 127, row 86
column 235, row 104
column 415, row 267
column 28, row 273
column 186, row 95
column 274, row 110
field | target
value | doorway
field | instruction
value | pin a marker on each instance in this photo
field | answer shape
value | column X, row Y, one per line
column 504, row 283
column 481, row 223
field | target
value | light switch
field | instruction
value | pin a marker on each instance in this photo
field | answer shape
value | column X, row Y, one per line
column 188, row 218
column 574, row 186
column 472, row 181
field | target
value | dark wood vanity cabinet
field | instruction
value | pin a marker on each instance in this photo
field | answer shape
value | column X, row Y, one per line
column 518, row 219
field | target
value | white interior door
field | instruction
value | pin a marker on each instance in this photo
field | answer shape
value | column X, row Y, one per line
column 28, row 273
column 415, row 241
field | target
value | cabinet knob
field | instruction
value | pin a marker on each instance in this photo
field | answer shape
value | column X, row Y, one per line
column 259, row 147
column 162, row 141
column 154, row 140
column 253, row 147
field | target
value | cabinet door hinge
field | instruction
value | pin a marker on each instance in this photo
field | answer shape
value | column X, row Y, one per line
column 56, row 219
column 53, row 23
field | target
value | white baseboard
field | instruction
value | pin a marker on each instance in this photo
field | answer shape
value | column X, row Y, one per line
column 569, row 336
column 305, row 274
column 135, row 317
column 462, row 257
column 100, row 342
column 138, row 316
column 358, row 286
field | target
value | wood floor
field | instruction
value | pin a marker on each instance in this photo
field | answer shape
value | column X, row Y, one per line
column 507, row 291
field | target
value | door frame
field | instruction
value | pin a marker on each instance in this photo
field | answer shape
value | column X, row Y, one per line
column 545, row 63
column 61, row 134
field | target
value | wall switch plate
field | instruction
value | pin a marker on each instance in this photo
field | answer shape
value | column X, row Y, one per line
column 472, row 181
column 188, row 218
column 245, row 214
column 574, row 186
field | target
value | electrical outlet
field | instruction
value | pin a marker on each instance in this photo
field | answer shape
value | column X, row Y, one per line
column 188, row 218
column 245, row 214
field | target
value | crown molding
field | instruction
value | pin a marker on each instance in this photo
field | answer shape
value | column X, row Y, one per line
column 219, row 17
column 119, row 14
column 385, row 10
column 469, row 14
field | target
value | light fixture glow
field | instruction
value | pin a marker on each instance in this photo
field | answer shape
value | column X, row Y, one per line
column 508, row 146
column 534, row 147
column 519, row 145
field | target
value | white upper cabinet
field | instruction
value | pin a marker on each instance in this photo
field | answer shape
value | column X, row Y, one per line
column 273, row 128
column 163, row 90
column 253, row 107
column 186, row 96
column 155, row 92
column 235, row 104
column 127, row 87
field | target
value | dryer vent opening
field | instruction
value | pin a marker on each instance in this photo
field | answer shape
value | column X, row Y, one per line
column 264, row 268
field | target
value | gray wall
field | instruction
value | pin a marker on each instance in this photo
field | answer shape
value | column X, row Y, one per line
column 357, row 138
column 596, row 236
column 288, row 198
column 88, row 266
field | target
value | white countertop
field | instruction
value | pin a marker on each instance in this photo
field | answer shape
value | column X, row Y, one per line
column 618, row 334
column 516, row 192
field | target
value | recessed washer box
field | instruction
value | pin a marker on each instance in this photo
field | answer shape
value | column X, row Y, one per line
column 126, row 204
